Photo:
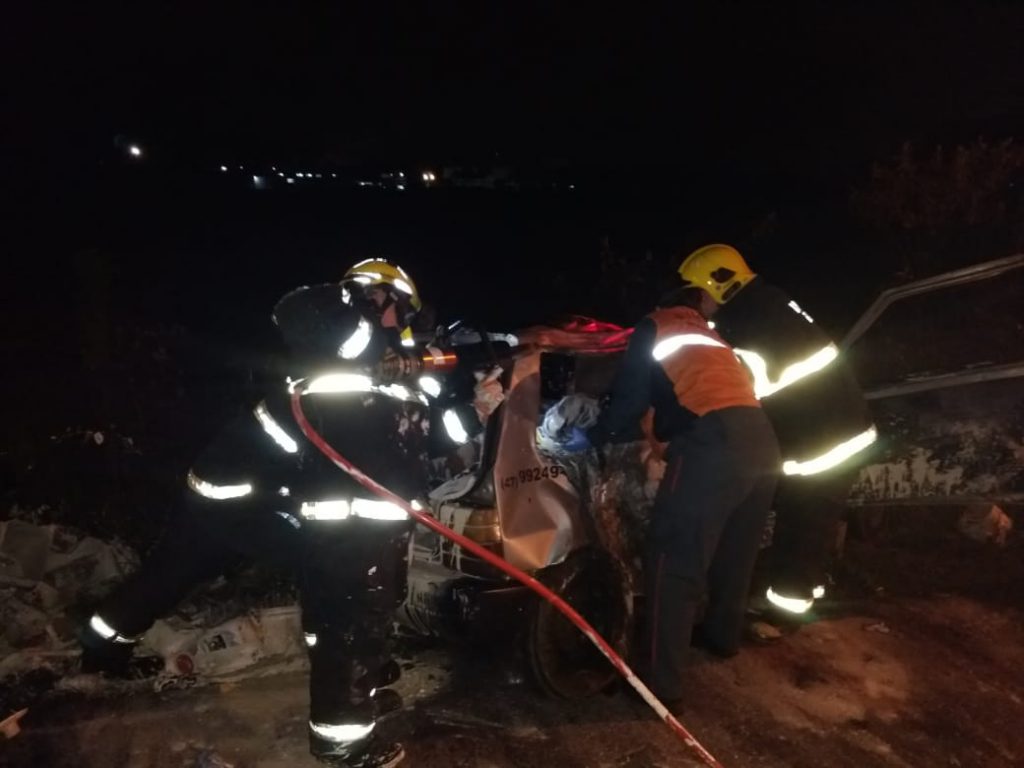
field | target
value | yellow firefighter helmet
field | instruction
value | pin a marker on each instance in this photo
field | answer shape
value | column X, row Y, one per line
column 718, row 269
column 383, row 273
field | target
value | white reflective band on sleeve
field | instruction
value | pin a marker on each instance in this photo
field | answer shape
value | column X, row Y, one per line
column 310, row 639
column 818, row 592
column 430, row 385
column 342, row 383
column 327, row 509
column 357, row 343
column 219, row 492
column 791, row 604
column 107, row 632
column 408, row 342
column 765, row 387
column 833, row 457
column 453, row 426
column 672, row 344
column 342, row 509
column 378, row 509
column 396, row 391
column 337, row 383
column 341, row 734
column 272, row 428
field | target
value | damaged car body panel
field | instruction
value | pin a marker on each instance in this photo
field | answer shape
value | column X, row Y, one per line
column 534, row 508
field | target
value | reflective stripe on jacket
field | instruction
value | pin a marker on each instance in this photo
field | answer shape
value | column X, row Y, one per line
column 678, row 365
column 806, row 386
column 704, row 371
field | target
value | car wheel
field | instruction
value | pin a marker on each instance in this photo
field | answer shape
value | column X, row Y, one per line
column 563, row 661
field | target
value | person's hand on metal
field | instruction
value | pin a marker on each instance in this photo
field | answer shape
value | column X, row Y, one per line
column 577, row 442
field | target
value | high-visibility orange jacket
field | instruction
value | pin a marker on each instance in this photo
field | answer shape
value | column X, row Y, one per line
column 682, row 368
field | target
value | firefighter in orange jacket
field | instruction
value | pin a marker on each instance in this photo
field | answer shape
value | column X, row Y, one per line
column 711, row 506
column 814, row 403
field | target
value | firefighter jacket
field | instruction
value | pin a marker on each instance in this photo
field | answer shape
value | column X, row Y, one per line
column 263, row 457
column 676, row 364
column 808, row 391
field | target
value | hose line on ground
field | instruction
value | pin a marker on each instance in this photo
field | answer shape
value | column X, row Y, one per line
column 563, row 607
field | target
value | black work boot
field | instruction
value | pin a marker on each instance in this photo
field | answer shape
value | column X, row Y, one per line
column 115, row 660
column 376, row 754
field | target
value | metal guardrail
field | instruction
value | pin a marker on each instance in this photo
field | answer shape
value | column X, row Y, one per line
column 971, row 375
column 924, row 383
column 963, row 276
column 942, row 380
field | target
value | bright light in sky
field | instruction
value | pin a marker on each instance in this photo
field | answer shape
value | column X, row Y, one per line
column 135, row 150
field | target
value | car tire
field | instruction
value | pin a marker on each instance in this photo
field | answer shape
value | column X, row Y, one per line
column 563, row 661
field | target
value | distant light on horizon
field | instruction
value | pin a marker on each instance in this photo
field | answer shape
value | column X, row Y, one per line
column 224, row 169
column 290, row 180
column 135, row 150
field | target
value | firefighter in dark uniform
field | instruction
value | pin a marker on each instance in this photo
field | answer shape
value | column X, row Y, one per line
column 814, row 403
column 260, row 491
column 711, row 506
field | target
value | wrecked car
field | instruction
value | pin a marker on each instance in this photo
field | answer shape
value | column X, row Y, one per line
column 561, row 517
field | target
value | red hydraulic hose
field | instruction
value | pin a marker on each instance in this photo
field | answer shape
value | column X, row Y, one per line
column 567, row 610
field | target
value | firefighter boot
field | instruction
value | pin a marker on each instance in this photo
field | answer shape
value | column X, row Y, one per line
column 375, row 753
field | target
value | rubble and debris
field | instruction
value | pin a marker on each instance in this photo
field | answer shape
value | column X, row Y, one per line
column 47, row 569
column 985, row 523
column 48, row 572
column 190, row 649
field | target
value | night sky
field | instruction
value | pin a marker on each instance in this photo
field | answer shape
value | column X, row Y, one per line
column 783, row 89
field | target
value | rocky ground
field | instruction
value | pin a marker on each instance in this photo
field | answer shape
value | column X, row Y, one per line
column 918, row 662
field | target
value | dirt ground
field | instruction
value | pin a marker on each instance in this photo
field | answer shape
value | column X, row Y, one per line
column 918, row 661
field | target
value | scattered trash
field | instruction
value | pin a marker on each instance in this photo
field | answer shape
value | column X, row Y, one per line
column 11, row 726
column 189, row 650
column 880, row 627
column 47, row 571
column 985, row 523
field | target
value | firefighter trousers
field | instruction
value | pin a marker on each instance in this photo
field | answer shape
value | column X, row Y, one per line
column 706, row 525
column 807, row 515
column 351, row 576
